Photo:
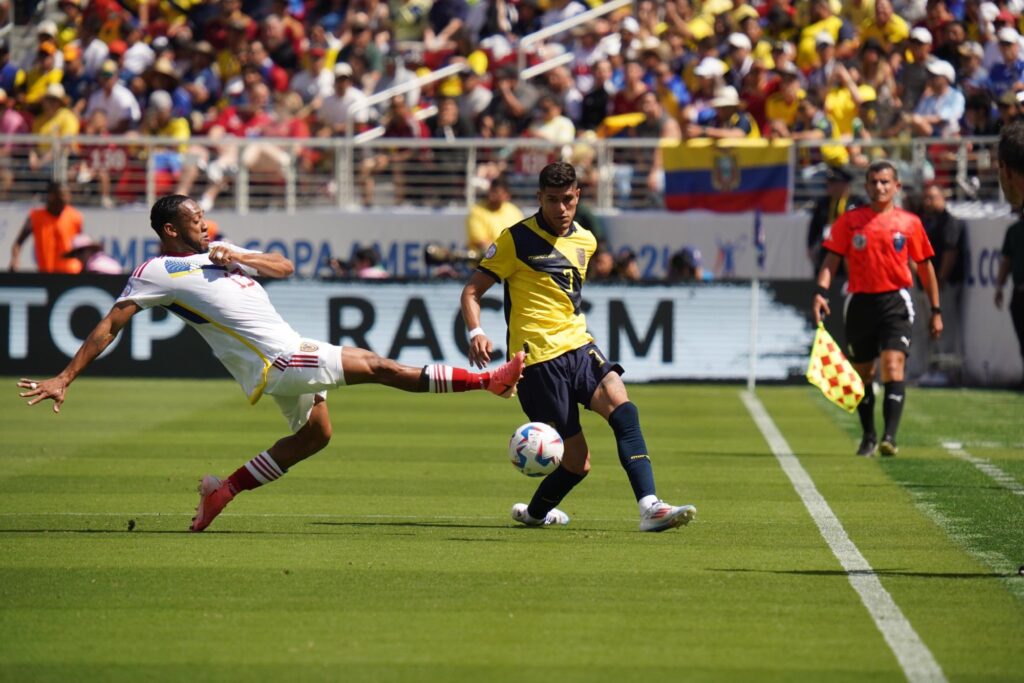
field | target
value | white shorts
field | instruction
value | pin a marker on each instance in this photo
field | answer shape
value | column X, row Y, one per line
column 295, row 379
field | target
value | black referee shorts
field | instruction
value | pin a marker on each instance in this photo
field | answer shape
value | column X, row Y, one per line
column 876, row 323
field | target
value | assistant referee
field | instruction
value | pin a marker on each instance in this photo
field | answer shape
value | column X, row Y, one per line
column 878, row 242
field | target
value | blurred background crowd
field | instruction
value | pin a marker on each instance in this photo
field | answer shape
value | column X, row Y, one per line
column 219, row 70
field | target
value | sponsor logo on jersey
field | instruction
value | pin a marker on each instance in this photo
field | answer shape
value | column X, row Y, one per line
column 178, row 268
column 860, row 240
column 898, row 240
column 308, row 347
column 581, row 256
column 491, row 251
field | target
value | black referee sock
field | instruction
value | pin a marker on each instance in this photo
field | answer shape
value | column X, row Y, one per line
column 892, row 409
column 625, row 422
column 866, row 409
column 551, row 491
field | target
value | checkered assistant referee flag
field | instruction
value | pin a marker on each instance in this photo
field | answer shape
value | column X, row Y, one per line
column 829, row 370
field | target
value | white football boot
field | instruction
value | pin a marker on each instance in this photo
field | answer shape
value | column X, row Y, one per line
column 661, row 516
column 555, row 516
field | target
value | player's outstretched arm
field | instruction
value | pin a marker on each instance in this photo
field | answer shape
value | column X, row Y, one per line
column 828, row 268
column 480, row 346
column 98, row 340
column 266, row 264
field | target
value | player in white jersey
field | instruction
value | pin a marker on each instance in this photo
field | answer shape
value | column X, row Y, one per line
column 210, row 287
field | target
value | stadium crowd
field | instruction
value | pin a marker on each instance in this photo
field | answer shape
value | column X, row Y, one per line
column 803, row 69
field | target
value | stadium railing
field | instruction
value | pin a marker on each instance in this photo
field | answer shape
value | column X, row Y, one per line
column 434, row 172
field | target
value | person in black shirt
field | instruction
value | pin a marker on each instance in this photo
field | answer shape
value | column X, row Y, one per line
column 836, row 201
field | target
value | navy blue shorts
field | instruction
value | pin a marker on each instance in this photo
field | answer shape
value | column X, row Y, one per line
column 552, row 391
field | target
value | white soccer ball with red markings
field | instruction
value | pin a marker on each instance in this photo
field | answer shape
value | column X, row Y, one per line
column 536, row 449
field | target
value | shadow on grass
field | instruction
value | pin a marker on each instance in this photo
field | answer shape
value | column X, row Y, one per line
column 433, row 525
column 874, row 572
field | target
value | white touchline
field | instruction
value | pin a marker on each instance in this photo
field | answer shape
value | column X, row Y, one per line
column 956, row 449
column 914, row 657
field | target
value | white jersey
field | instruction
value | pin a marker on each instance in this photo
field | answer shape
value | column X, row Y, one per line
column 230, row 309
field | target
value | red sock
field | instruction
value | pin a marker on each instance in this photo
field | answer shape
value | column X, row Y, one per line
column 444, row 379
column 259, row 471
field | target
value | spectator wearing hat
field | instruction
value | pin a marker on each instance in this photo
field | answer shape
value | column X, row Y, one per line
column 46, row 32
column 92, row 257
column 739, row 58
column 822, row 20
column 780, row 107
column 43, row 73
column 119, row 103
column 729, row 120
column 687, row 265
column 939, row 112
column 1008, row 74
column 709, row 76
column 973, row 76
column 1002, row 19
column 12, row 122
column 887, row 27
column 76, row 83
column 346, row 103
column 827, row 208
column 629, row 44
column 784, row 60
column 315, row 81
column 1009, row 110
column 55, row 120
column 52, row 228
column 914, row 76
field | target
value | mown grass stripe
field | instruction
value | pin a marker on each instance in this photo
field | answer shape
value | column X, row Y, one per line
column 915, row 658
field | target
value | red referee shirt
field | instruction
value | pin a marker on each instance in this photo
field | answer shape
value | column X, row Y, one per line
column 878, row 248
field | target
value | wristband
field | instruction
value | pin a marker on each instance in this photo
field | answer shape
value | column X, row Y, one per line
column 936, row 309
column 821, row 291
column 475, row 332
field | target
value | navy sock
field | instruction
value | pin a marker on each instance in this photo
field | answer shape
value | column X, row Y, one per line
column 551, row 491
column 892, row 409
column 866, row 409
column 625, row 422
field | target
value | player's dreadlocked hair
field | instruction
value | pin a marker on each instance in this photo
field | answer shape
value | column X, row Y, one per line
column 1011, row 146
column 557, row 176
column 165, row 211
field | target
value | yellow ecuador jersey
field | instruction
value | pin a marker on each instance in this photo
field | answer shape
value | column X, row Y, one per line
column 543, row 275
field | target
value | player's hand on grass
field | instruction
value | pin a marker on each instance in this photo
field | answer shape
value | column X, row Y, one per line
column 821, row 309
column 53, row 388
column 480, row 348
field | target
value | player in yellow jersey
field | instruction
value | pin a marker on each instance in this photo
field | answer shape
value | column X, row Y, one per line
column 542, row 262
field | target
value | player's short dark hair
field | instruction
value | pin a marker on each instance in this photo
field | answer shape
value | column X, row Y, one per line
column 1011, row 146
column 166, row 210
column 557, row 175
column 882, row 165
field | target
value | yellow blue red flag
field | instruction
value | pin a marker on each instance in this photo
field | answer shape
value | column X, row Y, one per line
column 829, row 370
column 728, row 176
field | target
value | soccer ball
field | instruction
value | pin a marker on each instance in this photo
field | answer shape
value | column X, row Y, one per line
column 535, row 449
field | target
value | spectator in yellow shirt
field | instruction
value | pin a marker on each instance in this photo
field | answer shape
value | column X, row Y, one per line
column 886, row 27
column 780, row 107
column 488, row 218
column 42, row 74
column 56, row 120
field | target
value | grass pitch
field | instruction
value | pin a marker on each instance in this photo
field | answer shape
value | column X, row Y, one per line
column 391, row 557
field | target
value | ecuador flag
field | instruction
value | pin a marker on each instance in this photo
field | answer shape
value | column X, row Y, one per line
column 829, row 370
column 728, row 176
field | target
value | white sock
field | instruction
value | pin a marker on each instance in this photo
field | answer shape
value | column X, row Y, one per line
column 264, row 468
column 646, row 502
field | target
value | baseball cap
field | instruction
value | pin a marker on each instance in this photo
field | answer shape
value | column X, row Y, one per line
column 161, row 100
column 1008, row 34
column 1005, row 15
column 109, row 68
column 709, row 67
column 72, row 52
column 55, row 90
column 940, row 67
column 921, row 35
column 630, row 24
column 47, row 27
column 824, row 38
column 739, row 41
column 48, row 47
column 971, row 48
column 726, row 96
column 317, row 52
column 839, row 174
column 342, row 70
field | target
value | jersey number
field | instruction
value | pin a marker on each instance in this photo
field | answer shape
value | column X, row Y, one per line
column 240, row 278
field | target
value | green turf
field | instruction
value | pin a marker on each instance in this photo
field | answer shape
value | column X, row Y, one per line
column 390, row 556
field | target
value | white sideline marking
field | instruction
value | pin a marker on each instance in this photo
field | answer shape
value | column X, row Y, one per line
column 915, row 658
column 956, row 449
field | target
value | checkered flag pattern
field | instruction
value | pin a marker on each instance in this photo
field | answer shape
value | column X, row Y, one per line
column 829, row 370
